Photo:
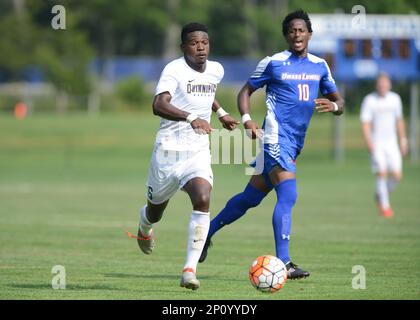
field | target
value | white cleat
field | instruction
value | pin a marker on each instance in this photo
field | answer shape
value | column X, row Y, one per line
column 189, row 280
column 146, row 243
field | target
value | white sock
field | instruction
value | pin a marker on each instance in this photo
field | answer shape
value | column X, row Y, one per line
column 391, row 184
column 198, row 229
column 382, row 192
column 145, row 226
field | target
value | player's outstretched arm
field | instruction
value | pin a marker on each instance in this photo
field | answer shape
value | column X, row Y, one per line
column 332, row 102
column 227, row 121
column 162, row 107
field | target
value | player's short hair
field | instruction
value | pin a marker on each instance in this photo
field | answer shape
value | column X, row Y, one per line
column 191, row 27
column 298, row 14
column 383, row 74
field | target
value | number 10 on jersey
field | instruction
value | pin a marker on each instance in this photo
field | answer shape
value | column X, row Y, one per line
column 303, row 92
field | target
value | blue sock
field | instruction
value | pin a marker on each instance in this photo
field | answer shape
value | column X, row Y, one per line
column 236, row 208
column 286, row 199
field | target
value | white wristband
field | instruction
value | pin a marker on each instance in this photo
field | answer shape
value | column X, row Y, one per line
column 246, row 117
column 191, row 117
column 335, row 106
column 221, row 113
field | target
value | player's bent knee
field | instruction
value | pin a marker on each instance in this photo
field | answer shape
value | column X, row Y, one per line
column 287, row 193
column 397, row 176
column 251, row 196
column 253, row 201
column 201, row 202
column 288, row 198
column 381, row 174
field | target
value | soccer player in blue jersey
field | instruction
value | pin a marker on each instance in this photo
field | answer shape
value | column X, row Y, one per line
column 292, row 79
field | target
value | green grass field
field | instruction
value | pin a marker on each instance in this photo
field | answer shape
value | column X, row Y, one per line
column 71, row 186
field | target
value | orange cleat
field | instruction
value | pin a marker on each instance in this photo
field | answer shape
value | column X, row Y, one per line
column 387, row 212
column 384, row 212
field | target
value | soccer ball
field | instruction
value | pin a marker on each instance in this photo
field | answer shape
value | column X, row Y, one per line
column 267, row 274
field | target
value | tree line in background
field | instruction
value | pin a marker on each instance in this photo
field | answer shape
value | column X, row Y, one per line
column 106, row 28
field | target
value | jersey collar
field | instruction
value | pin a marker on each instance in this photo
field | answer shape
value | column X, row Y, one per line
column 183, row 60
column 294, row 57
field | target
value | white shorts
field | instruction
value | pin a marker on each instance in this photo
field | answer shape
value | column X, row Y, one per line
column 171, row 170
column 386, row 159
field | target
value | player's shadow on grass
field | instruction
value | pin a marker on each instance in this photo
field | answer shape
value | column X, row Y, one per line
column 31, row 286
column 164, row 276
column 68, row 287
column 146, row 276
column 150, row 276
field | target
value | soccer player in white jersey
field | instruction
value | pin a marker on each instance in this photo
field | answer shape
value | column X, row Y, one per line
column 184, row 99
column 382, row 122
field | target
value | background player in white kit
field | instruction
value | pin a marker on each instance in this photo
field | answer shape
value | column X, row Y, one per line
column 382, row 119
column 184, row 99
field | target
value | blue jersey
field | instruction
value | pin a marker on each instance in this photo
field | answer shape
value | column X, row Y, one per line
column 292, row 83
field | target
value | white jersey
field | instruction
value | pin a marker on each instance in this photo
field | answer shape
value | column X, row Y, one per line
column 382, row 113
column 191, row 91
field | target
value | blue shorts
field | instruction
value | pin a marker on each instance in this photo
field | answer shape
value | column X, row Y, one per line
column 271, row 156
